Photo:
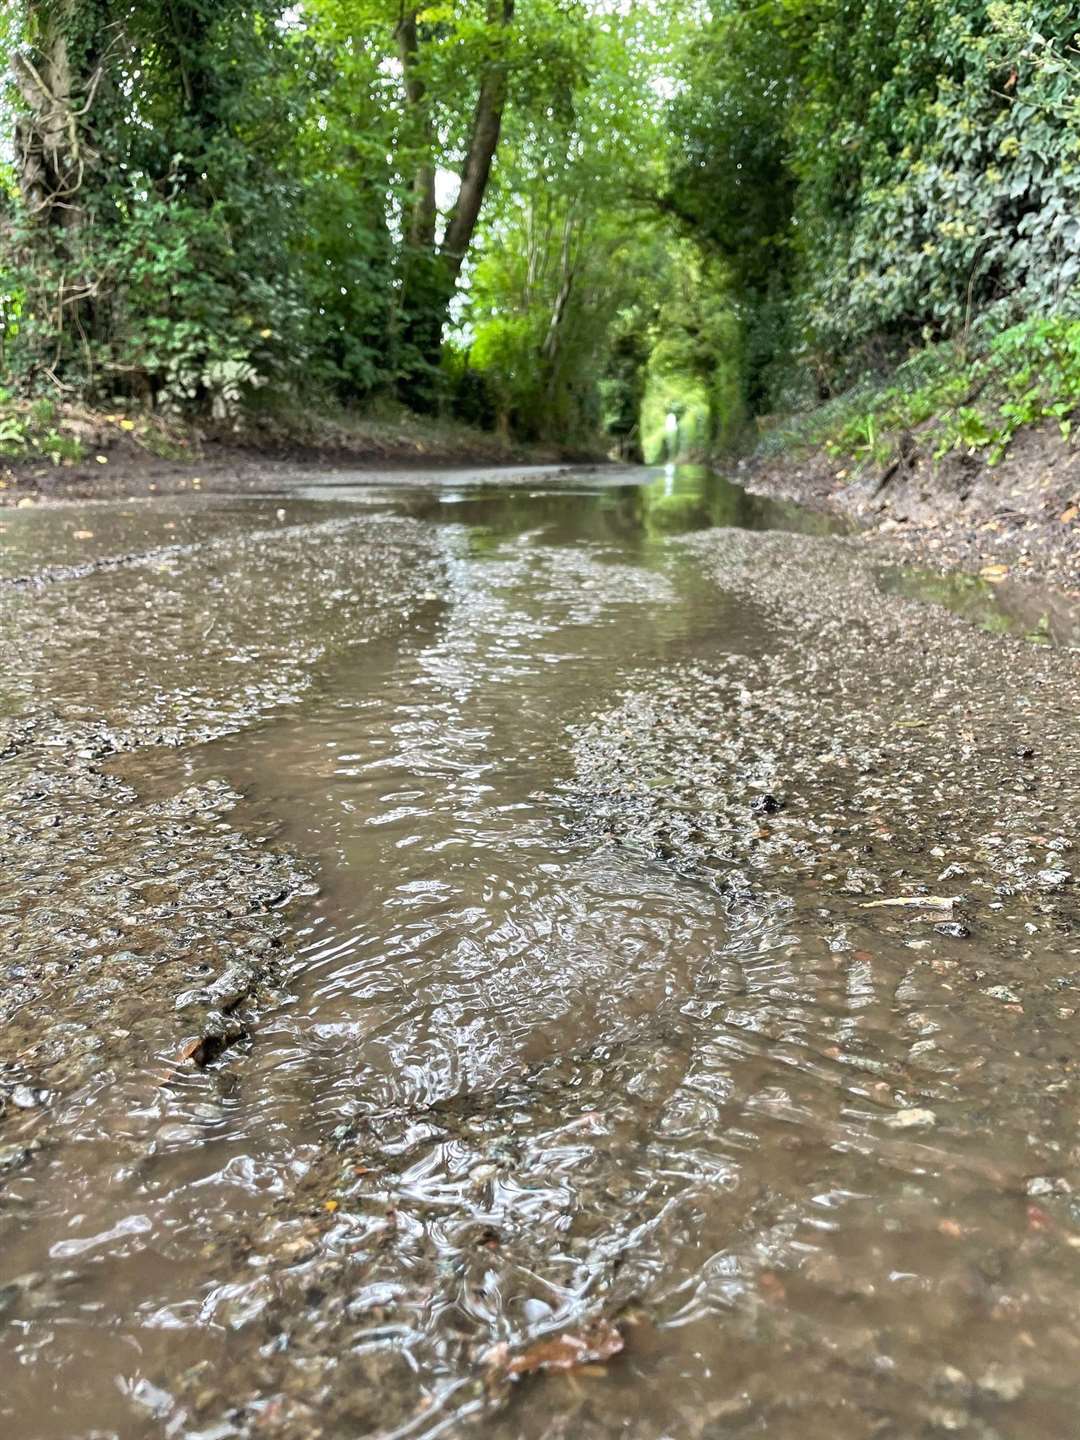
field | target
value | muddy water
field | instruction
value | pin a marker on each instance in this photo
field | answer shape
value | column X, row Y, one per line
column 587, row 1014
column 1041, row 615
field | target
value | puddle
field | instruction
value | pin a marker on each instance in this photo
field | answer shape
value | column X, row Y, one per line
column 583, row 1016
column 1009, row 607
column 616, row 504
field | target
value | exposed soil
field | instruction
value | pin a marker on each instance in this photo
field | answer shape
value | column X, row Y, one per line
column 954, row 513
column 119, row 464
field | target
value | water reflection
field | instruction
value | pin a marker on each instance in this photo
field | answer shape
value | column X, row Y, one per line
column 1007, row 607
column 659, row 503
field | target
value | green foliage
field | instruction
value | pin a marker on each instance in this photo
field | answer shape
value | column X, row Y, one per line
column 233, row 207
column 708, row 212
column 878, row 178
column 693, row 373
column 730, row 182
column 954, row 186
column 161, row 272
column 951, row 399
column 33, row 429
column 567, row 288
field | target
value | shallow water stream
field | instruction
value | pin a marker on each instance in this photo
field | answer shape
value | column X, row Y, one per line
column 563, row 808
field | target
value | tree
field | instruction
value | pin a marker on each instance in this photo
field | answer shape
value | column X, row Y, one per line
column 145, row 140
column 572, row 252
column 430, row 268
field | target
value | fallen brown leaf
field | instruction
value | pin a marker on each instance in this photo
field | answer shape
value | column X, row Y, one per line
column 772, row 1287
column 570, row 1351
column 197, row 1051
column 1038, row 1219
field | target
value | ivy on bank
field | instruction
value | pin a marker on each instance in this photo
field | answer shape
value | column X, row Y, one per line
column 878, row 178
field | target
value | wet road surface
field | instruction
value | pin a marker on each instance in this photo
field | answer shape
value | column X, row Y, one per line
column 443, row 918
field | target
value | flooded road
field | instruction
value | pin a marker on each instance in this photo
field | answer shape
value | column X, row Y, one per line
column 454, row 927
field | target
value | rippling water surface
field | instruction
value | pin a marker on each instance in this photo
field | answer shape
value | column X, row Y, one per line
column 518, row 1073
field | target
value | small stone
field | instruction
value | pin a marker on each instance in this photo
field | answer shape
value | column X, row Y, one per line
column 953, row 1379
column 1047, row 1185
column 767, row 804
column 953, row 929
column 952, row 872
column 1003, row 993
column 27, row 1099
column 1001, row 1383
column 942, row 1418
column 230, row 987
column 913, row 1119
column 296, row 1251
column 12, row 1156
column 1053, row 879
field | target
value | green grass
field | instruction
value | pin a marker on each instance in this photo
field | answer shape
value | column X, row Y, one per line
column 34, row 431
column 952, row 399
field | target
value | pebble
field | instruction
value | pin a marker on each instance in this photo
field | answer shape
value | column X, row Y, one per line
column 953, row 1378
column 178, row 1134
column 1040, row 1185
column 27, row 1099
column 1001, row 1383
column 913, row 1119
column 1053, row 879
column 231, row 987
column 942, row 1418
column 952, row 872
column 767, row 804
column 12, row 1156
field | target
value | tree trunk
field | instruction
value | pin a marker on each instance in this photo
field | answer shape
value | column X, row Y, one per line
column 51, row 152
column 483, row 142
column 550, row 348
column 430, row 275
column 421, row 233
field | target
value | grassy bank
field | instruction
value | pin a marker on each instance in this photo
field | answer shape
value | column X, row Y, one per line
column 964, row 458
column 972, row 396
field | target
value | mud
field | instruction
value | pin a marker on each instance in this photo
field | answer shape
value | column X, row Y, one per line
column 116, row 465
column 957, row 513
column 623, row 922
